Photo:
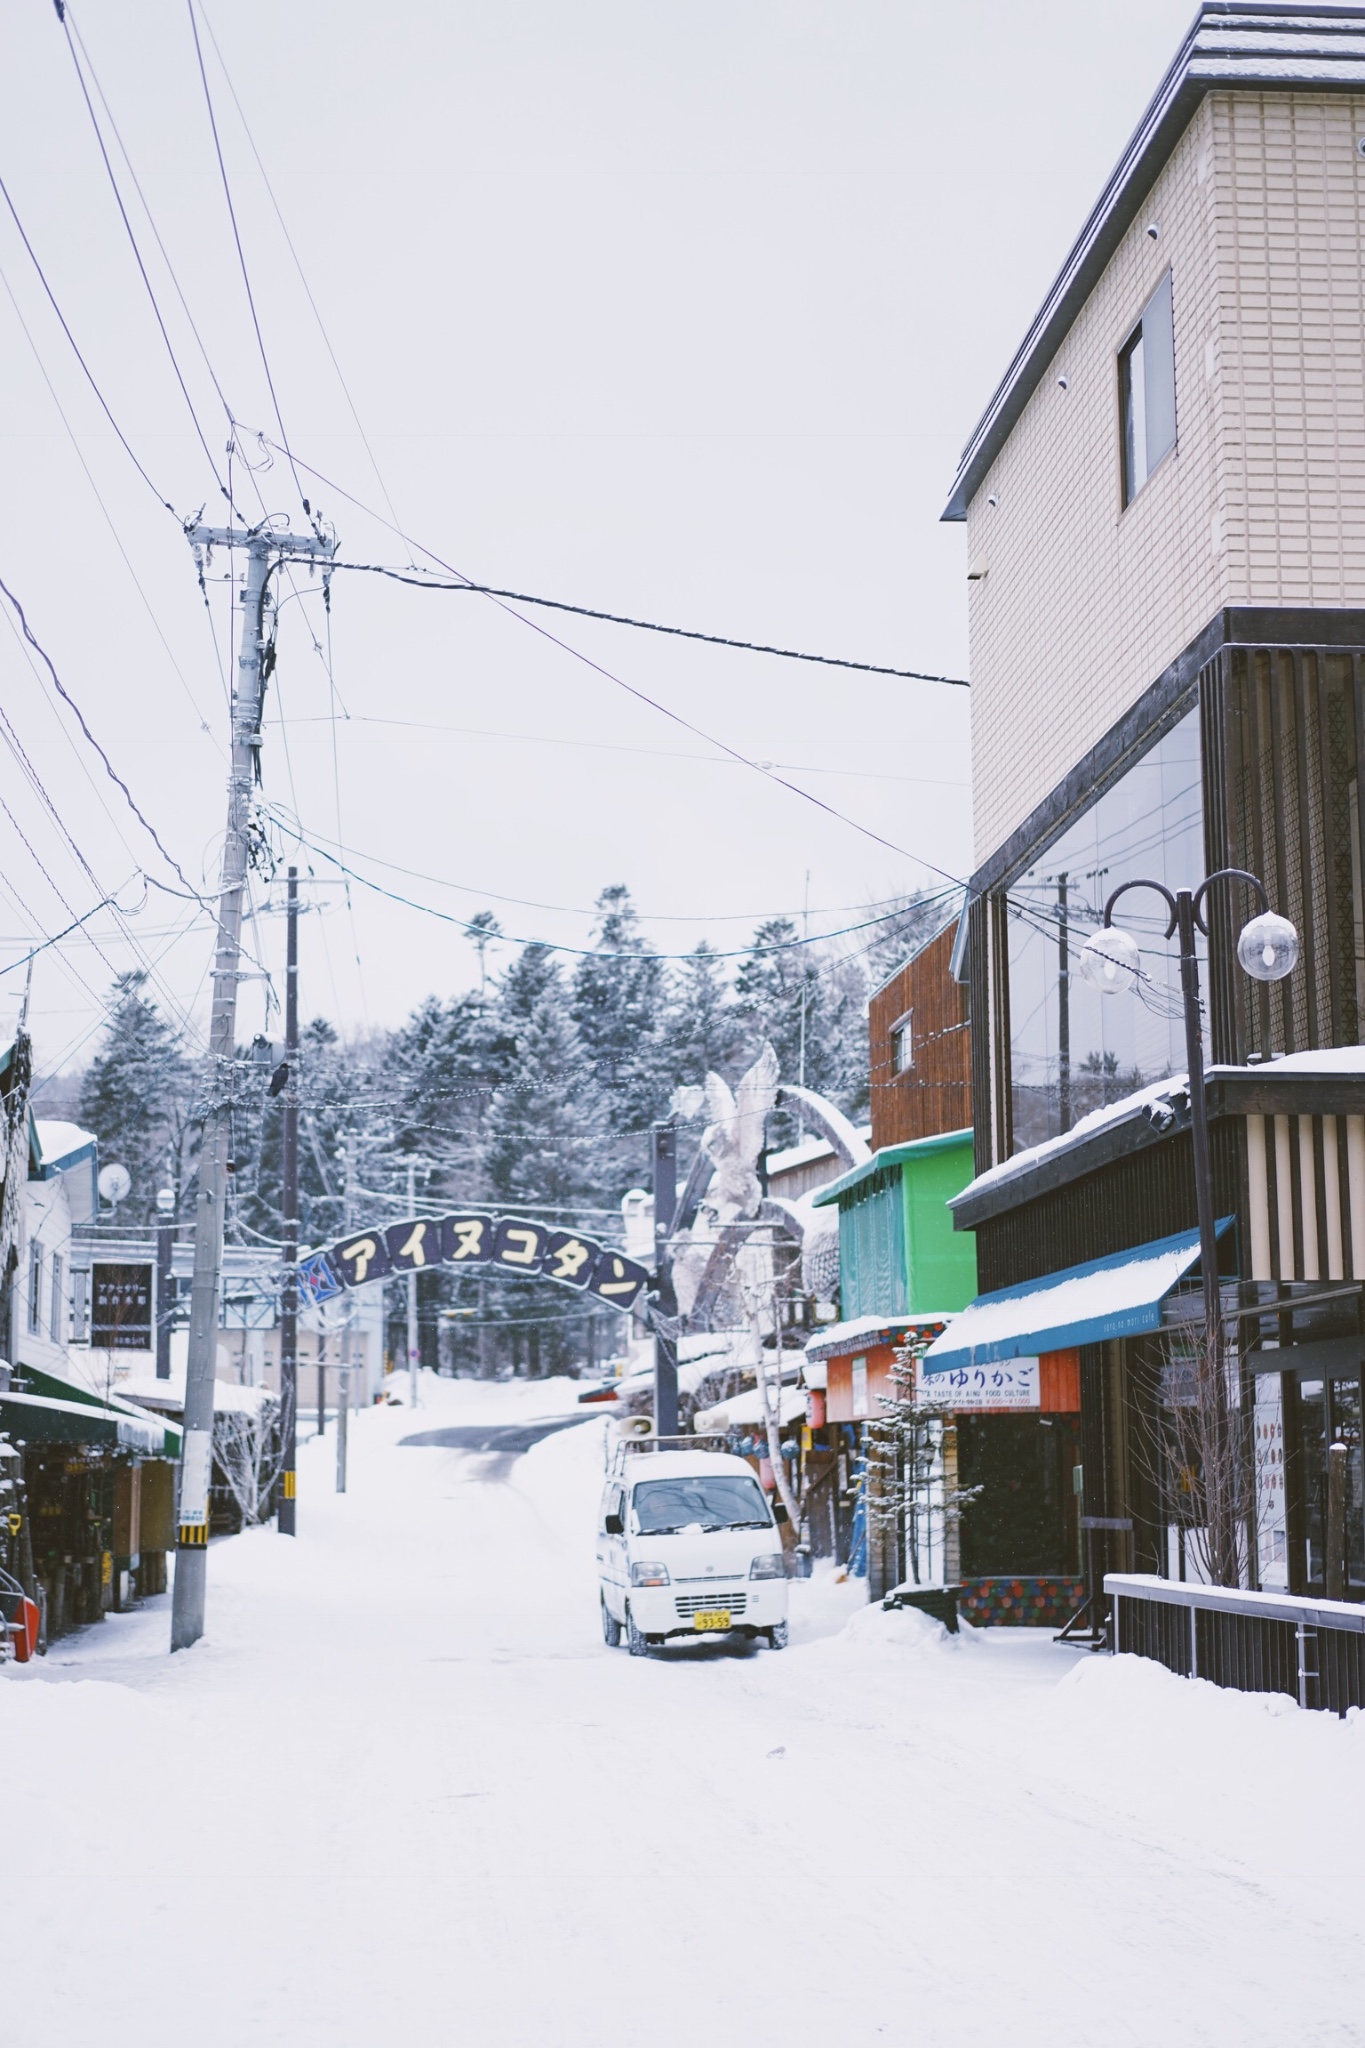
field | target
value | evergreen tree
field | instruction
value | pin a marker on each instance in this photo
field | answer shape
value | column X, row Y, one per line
column 547, row 1122
column 705, row 1034
column 618, row 1006
column 137, row 1097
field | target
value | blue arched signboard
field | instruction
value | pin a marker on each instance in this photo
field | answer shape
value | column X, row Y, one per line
column 472, row 1239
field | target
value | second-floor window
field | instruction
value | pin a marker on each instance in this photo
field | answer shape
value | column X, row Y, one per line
column 55, row 1322
column 35, row 1289
column 903, row 1043
column 1147, row 391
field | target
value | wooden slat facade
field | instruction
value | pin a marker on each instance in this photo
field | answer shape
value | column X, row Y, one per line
column 934, row 1094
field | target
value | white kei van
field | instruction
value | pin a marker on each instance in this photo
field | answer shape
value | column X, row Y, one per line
column 687, row 1547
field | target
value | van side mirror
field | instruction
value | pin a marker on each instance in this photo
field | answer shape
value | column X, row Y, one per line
column 614, row 1525
column 779, row 1512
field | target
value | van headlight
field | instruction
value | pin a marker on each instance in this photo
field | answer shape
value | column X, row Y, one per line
column 649, row 1575
column 769, row 1567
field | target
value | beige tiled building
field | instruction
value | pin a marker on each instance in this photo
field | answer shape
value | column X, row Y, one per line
column 1165, row 506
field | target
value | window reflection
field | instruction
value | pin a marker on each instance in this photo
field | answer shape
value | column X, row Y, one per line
column 1072, row 1049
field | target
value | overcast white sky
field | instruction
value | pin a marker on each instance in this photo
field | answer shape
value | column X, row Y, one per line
column 679, row 311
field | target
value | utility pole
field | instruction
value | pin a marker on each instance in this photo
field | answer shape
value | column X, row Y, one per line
column 348, row 1308
column 665, row 1209
column 412, row 1296
column 264, row 548
column 1063, row 1005
column 165, row 1246
column 289, row 1195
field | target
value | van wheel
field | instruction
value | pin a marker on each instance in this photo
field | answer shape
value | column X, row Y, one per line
column 637, row 1644
column 611, row 1627
column 777, row 1636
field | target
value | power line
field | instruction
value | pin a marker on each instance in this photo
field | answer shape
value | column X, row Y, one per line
column 137, row 253
column 112, row 772
column 237, row 239
column 99, row 500
column 292, row 826
column 126, row 445
column 303, row 280
column 642, row 696
column 540, row 739
column 582, row 611
column 578, row 952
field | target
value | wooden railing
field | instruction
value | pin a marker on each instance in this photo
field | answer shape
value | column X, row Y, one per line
column 1314, row 1650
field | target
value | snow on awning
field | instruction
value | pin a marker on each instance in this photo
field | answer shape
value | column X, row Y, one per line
column 1120, row 1296
column 861, row 1333
column 745, row 1411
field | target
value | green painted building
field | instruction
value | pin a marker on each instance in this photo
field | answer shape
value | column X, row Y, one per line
column 898, row 1252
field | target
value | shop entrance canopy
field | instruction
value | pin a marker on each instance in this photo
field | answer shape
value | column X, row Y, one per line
column 1120, row 1296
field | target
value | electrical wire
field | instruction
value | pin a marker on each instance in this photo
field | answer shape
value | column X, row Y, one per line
column 298, row 265
column 112, row 772
column 616, row 747
column 577, row 952
column 99, row 500
column 122, row 438
column 137, row 256
column 642, row 696
column 57, row 937
column 292, row 826
column 582, row 611
column 237, row 239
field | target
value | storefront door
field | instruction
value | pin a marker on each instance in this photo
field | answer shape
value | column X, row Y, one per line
column 1330, row 1412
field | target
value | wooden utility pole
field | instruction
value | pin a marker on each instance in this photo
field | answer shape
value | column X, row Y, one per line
column 265, row 549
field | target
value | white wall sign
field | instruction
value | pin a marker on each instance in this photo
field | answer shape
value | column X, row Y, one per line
column 1011, row 1383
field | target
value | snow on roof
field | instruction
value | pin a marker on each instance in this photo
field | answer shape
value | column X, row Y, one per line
column 838, row 1338
column 1336, row 1059
column 58, row 1140
column 1085, row 1127
column 745, row 1411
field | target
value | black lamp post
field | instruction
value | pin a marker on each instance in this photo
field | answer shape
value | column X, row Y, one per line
column 1268, row 948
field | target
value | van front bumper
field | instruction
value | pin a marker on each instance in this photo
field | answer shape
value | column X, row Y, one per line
column 751, row 1604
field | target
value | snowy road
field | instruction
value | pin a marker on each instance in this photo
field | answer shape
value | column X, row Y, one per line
column 403, row 1794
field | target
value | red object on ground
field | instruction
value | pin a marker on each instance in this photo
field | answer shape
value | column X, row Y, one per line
column 26, row 1637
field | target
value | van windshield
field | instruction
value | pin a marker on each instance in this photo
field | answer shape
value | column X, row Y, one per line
column 725, row 1501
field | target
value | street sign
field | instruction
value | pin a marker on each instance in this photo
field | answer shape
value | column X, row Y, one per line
column 472, row 1237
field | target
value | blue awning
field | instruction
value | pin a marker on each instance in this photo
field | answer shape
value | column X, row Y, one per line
column 1119, row 1296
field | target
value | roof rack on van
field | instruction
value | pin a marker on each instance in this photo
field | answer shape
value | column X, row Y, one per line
column 629, row 1445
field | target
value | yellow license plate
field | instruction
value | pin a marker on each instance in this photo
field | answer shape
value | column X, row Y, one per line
column 712, row 1618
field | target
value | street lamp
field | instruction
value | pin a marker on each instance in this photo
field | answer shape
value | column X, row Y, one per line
column 1268, row 948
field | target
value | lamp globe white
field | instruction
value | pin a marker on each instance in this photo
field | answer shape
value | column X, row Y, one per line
column 1110, row 960
column 1268, row 947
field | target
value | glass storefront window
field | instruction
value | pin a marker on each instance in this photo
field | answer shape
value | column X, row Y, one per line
column 1073, row 1050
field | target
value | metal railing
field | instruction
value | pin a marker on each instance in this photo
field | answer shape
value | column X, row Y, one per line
column 1313, row 1650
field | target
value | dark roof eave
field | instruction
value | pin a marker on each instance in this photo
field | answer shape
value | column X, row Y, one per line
column 1237, row 1091
column 1149, row 149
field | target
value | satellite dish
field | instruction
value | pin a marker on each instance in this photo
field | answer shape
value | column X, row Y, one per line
column 114, row 1183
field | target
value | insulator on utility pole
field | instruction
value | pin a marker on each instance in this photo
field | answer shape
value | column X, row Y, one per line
column 264, row 549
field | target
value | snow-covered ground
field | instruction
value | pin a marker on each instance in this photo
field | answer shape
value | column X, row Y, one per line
column 403, row 1794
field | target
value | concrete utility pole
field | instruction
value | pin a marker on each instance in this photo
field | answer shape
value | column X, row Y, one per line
column 287, row 1519
column 348, row 1309
column 665, row 1209
column 264, row 549
column 412, row 1296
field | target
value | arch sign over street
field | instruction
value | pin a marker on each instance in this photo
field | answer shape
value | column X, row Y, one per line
column 502, row 1244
